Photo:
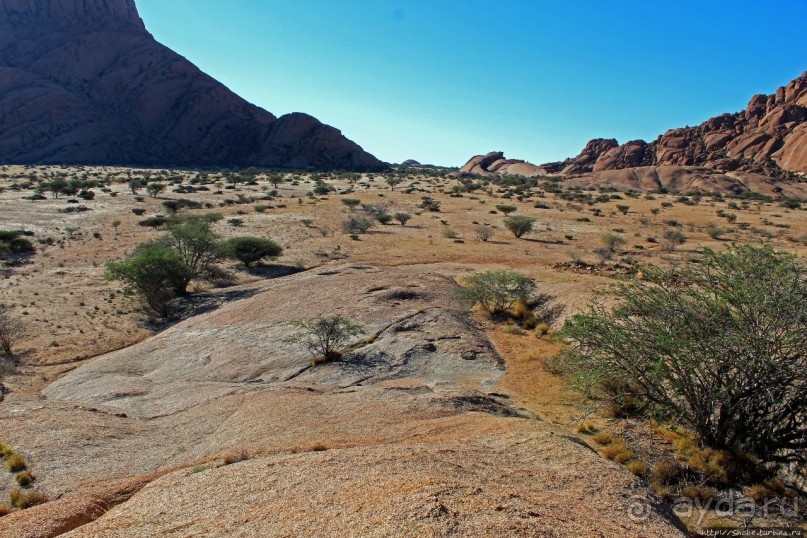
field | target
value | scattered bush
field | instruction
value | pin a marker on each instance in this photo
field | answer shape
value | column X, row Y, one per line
column 157, row 273
column 612, row 241
column 24, row 478
column 496, row 291
column 8, row 334
column 402, row 218
column 507, row 209
column 674, row 238
column 603, row 438
column 637, row 467
column 357, row 225
column 519, row 225
column 249, row 250
column 484, row 233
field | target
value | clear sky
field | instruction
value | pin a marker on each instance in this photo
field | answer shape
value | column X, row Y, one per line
column 442, row 80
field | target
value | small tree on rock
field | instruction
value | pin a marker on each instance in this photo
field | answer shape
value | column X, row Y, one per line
column 322, row 337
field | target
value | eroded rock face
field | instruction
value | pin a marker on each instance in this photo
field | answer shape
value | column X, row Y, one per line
column 83, row 82
column 405, row 434
column 589, row 156
column 495, row 163
column 769, row 137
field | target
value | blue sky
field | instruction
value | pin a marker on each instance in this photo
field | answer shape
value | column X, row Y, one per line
column 442, row 80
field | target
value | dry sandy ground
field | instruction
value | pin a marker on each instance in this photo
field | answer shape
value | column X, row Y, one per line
column 405, row 439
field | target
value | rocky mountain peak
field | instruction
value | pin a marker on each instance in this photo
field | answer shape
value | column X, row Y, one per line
column 61, row 13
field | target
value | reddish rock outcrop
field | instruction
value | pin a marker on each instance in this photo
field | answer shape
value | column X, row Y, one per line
column 768, row 138
column 83, row 82
column 495, row 163
column 589, row 156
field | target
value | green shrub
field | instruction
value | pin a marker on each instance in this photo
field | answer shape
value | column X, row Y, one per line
column 157, row 273
column 507, row 209
column 22, row 500
column 719, row 347
column 612, row 241
column 15, row 463
column 496, row 291
column 249, row 250
column 519, row 225
column 357, row 225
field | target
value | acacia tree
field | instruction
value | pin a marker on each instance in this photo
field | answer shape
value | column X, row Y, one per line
column 154, row 272
column 249, row 250
column 323, row 336
column 194, row 241
column 496, row 291
column 393, row 182
column 519, row 225
column 719, row 347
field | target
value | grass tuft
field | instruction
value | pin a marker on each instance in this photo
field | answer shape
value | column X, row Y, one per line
column 22, row 500
column 16, row 463
column 24, row 478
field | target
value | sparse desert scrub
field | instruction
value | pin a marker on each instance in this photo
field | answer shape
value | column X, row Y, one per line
column 603, row 438
column 507, row 209
column 637, row 467
column 236, row 457
column 402, row 217
column 743, row 310
column 612, row 241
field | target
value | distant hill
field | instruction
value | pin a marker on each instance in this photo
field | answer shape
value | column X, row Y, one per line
column 83, row 82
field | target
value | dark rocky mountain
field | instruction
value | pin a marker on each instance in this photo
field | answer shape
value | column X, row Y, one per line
column 83, row 82
column 769, row 138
